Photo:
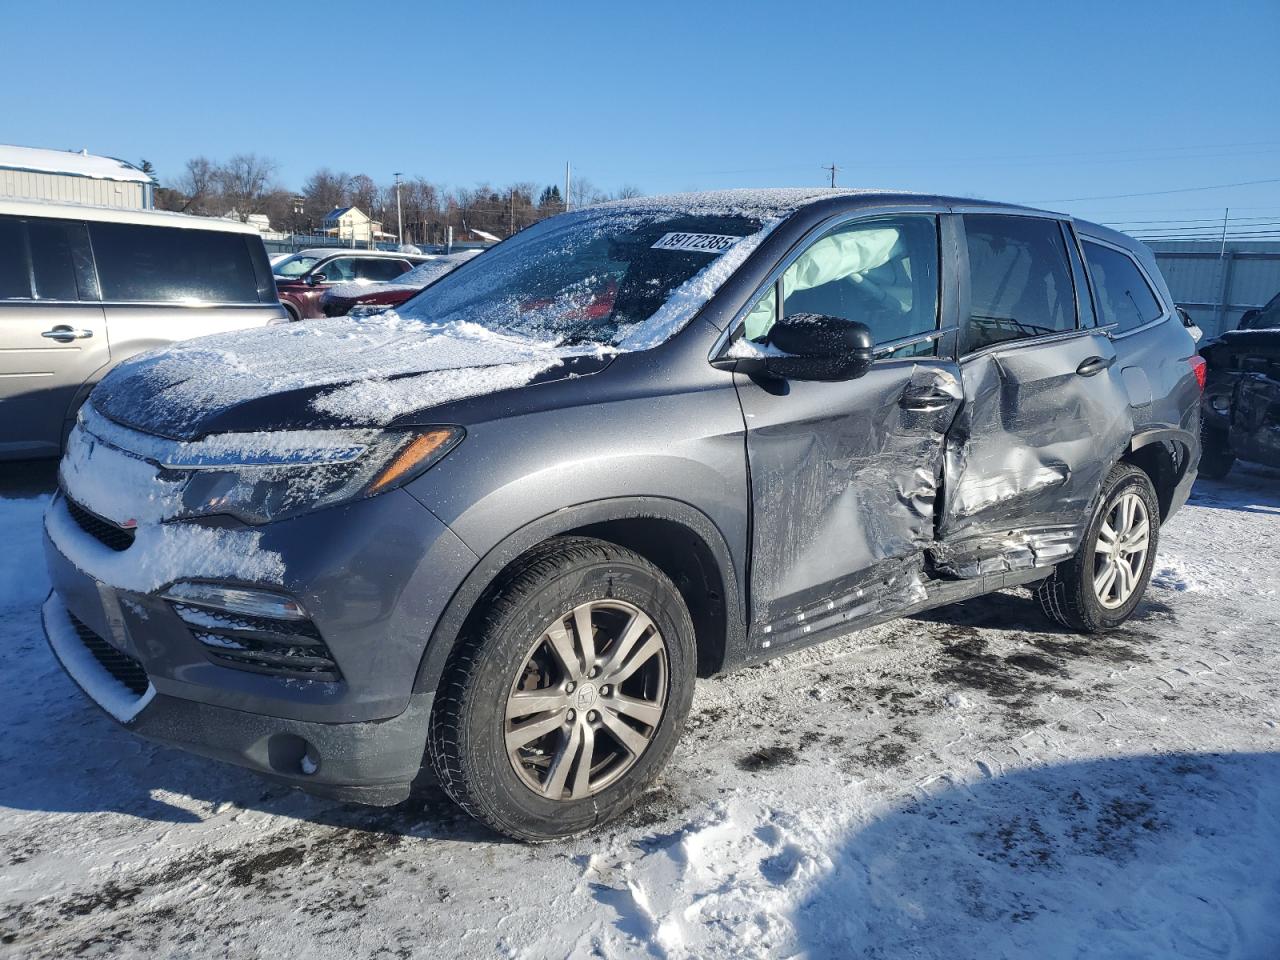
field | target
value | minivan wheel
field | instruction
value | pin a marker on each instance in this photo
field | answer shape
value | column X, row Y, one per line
column 1099, row 588
column 567, row 692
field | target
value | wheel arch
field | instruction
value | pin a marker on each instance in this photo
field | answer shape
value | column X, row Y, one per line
column 677, row 538
column 1164, row 455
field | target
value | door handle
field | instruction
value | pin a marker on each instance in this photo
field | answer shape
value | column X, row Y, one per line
column 929, row 402
column 64, row 334
column 1094, row 365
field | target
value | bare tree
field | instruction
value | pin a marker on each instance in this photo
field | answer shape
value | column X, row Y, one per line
column 583, row 193
column 628, row 191
column 245, row 181
column 194, row 191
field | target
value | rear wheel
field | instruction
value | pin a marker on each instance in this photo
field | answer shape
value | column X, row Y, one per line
column 1100, row 587
column 568, row 694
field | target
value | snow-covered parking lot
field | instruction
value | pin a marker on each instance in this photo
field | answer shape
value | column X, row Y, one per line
column 970, row 783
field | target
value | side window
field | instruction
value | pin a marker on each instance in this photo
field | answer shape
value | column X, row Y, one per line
column 1020, row 285
column 15, row 272
column 1124, row 296
column 157, row 264
column 883, row 273
column 381, row 269
column 338, row 271
column 61, row 262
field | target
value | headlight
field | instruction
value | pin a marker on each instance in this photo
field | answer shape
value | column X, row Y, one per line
column 269, row 476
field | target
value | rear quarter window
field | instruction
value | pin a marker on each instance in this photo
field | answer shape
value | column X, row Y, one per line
column 160, row 264
column 1125, row 299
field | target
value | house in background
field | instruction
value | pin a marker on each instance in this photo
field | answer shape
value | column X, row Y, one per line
column 64, row 176
column 354, row 226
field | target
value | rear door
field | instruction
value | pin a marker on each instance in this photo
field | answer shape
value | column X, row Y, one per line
column 1045, row 411
column 844, row 474
column 53, row 334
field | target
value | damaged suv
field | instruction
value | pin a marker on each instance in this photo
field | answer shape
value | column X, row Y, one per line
column 506, row 526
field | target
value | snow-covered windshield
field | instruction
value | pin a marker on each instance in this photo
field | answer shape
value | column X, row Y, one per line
column 621, row 277
column 295, row 266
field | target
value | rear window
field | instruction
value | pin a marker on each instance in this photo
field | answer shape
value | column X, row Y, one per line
column 381, row 269
column 159, row 264
column 1020, row 282
column 1124, row 296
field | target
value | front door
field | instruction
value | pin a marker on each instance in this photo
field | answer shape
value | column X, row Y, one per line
column 844, row 474
column 1045, row 412
column 50, row 341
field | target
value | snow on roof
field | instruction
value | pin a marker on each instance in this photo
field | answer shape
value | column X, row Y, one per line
column 69, row 163
column 760, row 204
column 96, row 214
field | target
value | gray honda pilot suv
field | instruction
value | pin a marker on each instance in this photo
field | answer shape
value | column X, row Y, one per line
column 506, row 526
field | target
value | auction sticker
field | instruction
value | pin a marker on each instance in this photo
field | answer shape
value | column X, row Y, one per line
column 698, row 242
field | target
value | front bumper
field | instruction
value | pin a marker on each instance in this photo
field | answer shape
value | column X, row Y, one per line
column 374, row 577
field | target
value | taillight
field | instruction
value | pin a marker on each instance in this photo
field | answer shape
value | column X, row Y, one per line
column 1200, row 369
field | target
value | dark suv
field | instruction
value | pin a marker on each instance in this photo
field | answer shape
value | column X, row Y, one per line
column 506, row 527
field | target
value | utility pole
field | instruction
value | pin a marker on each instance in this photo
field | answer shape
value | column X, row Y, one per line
column 833, row 168
column 511, row 202
column 399, row 213
column 566, row 186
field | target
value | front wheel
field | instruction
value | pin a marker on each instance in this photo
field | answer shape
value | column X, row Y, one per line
column 1099, row 588
column 568, row 692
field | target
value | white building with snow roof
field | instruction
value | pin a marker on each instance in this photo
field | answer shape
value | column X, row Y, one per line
column 66, row 176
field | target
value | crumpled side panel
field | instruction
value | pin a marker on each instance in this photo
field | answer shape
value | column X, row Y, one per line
column 841, row 484
column 1027, row 456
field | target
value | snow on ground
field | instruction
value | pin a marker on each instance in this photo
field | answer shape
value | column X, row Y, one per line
column 969, row 783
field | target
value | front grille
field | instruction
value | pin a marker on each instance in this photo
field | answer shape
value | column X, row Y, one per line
column 120, row 665
column 104, row 531
column 289, row 648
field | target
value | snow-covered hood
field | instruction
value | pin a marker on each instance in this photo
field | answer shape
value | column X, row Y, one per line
column 320, row 374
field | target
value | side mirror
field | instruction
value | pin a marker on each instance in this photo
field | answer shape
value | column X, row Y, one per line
column 811, row 346
column 1247, row 318
column 314, row 278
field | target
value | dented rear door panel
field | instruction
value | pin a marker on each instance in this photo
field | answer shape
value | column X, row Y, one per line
column 1028, row 453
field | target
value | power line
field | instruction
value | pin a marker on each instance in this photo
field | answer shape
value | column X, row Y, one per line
column 1161, row 193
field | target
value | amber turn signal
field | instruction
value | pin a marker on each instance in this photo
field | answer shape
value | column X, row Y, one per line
column 421, row 452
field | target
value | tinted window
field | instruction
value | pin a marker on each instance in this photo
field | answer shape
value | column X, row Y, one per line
column 61, row 261
column 1020, row 285
column 381, row 269
column 1124, row 297
column 15, row 278
column 883, row 273
column 137, row 263
column 340, row 270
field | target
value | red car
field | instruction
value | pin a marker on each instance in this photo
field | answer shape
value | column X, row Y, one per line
column 362, row 297
column 303, row 279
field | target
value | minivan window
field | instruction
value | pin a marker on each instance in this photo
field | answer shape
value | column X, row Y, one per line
column 1124, row 296
column 61, row 261
column 15, row 277
column 1020, row 285
column 155, row 264
column 883, row 273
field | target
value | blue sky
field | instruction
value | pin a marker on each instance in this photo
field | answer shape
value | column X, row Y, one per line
column 1015, row 101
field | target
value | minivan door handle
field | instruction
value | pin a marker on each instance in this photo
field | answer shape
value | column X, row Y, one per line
column 64, row 334
column 1094, row 365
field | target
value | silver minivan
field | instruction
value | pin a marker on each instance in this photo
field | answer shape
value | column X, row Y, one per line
column 82, row 288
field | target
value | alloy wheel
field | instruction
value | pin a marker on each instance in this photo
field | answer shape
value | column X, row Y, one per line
column 1120, row 552
column 587, row 700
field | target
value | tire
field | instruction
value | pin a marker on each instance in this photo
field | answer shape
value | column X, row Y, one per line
column 507, row 650
column 1069, row 595
column 291, row 310
column 1216, row 458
